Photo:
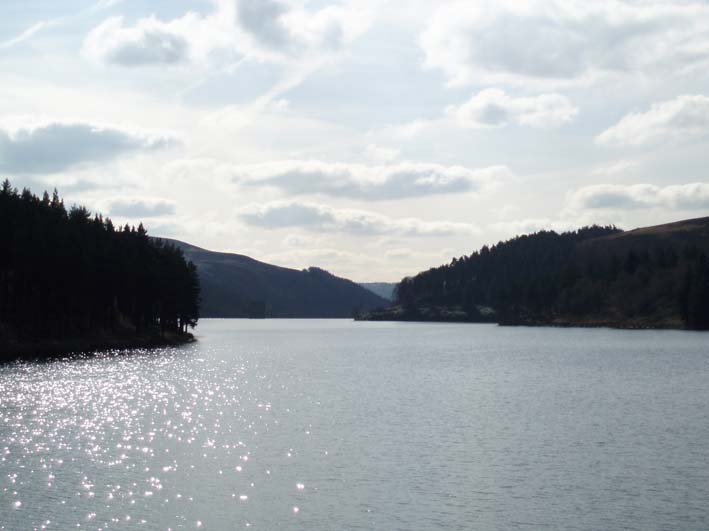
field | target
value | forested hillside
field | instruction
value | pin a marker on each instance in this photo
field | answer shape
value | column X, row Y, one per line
column 384, row 289
column 653, row 277
column 234, row 285
column 65, row 274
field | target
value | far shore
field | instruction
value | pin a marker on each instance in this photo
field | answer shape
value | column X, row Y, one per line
column 457, row 315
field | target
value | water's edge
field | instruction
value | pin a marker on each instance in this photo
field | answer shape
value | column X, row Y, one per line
column 50, row 349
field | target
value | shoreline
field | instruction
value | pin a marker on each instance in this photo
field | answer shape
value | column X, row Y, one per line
column 455, row 315
column 52, row 349
column 537, row 324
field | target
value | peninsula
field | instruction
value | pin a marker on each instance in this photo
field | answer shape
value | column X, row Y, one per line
column 653, row 277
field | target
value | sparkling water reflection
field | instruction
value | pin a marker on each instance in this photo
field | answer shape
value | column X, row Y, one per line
column 335, row 424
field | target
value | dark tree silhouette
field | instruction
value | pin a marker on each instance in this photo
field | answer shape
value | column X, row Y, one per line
column 694, row 295
column 589, row 275
column 68, row 274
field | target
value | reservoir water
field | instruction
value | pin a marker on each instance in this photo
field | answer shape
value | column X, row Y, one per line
column 326, row 425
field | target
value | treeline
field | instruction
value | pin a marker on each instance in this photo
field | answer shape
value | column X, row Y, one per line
column 592, row 275
column 66, row 274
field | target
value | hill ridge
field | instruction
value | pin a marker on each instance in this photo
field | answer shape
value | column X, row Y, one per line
column 649, row 277
column 236, row 285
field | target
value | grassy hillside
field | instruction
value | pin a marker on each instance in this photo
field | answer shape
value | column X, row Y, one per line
column 680, row 234
column 654, row 277
column 238, row 286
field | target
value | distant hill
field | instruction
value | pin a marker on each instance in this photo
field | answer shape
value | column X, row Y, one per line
column 653, row 277
column 384, row 289
column 690, row 232
column 234, row 285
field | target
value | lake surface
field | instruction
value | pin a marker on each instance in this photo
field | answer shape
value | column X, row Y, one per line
column 326, row 425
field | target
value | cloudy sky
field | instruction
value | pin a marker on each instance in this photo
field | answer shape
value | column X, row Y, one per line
column 373, row 138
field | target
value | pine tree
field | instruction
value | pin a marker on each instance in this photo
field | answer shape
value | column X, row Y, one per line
column 70, row 274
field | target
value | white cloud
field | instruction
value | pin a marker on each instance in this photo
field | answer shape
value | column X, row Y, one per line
column 620, row 167
column 189, row 170
column 262, row 30
column 399, row 253
column 405, row 131
column 381, row 154
column 52, row 146
column 495, row 108
column 317, row 217
column 378, row 182
column 564, row 41
column 149, row 42
column 193, row 38
column 276, row 29
column 613, row 196
column 299, row 241
column 139, row 207
column 105, row 4
column 683, row 118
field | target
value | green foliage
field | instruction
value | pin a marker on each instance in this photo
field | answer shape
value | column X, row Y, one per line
column 588, row 275
column 68, row 274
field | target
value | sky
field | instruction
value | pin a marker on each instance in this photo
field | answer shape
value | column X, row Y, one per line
column 372, row 138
